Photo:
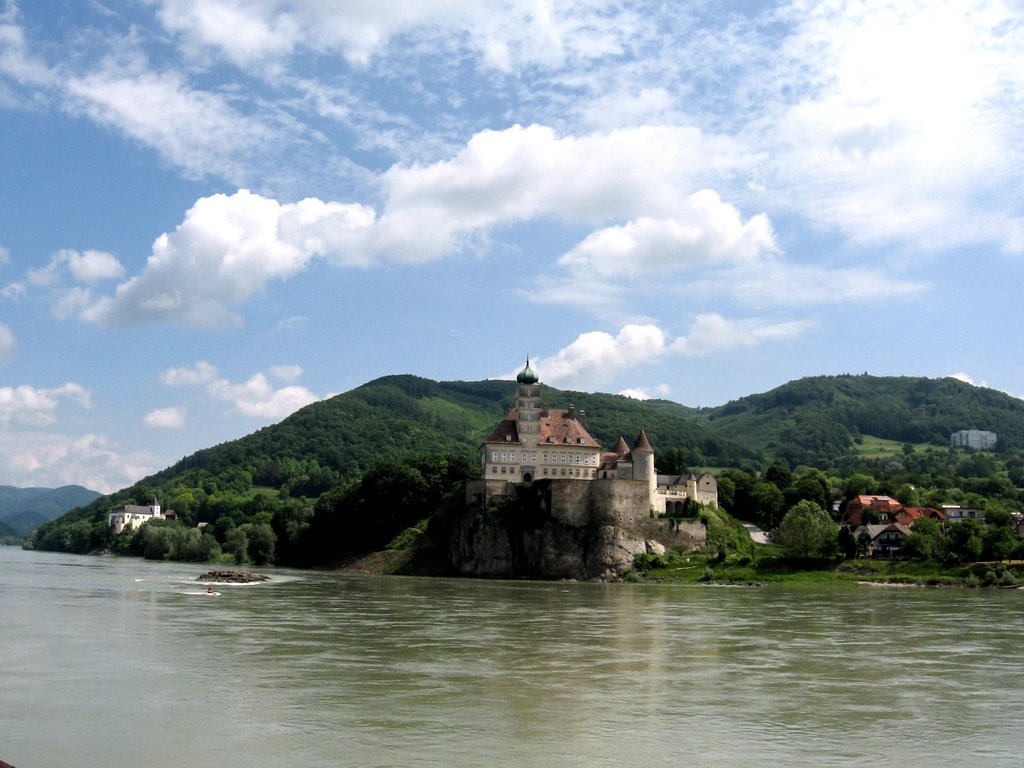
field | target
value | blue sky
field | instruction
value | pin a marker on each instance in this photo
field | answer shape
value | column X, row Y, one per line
column 214, row 212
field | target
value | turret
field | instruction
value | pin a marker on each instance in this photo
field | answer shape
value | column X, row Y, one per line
column 643, row 463
column 528, row 407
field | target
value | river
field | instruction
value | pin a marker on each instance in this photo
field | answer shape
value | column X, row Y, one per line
column 123, row 662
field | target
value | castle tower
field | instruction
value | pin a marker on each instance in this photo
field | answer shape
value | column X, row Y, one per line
column 643, row 463
column 528, row 408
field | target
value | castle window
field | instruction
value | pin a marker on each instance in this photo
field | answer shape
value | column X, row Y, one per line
column 494, row 455
column 582, row 441
column 524, row 457
column 508, row 438
column 533, row 458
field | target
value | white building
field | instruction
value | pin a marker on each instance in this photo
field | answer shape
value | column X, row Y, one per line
column 973, row 438
column 133, row 516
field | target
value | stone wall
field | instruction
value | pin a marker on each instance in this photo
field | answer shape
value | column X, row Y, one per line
column 566, row 529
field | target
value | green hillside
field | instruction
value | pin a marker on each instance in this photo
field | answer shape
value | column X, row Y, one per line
column 817, row 420
column 335, row 442
column 317, row 471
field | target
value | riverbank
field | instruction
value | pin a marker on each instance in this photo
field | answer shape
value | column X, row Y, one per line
column 769, row 567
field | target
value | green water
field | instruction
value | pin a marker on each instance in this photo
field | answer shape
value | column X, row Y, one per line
column 121, row 662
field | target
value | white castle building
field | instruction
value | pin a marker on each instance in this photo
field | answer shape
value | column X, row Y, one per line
column 133, row 516
column 535, row 443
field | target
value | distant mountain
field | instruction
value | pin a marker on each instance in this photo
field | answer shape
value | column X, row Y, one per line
column 816, row 420
column 25, row 509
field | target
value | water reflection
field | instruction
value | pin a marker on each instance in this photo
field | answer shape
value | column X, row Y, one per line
column 122, row 658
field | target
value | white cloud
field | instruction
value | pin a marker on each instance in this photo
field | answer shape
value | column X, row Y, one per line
column 285, row 373
column 967, row 379
column 165, row 418
column 703, row 232
column 257, row 399
column 254, row 398
column 597, row 357
column 773, row 282
column 92, row 266
column 504, row 36
column 228, row 248
column 51, row 460
column 522, row 173
column 8, row 343
column 31, row 406
column 5, row 256
column 903, row 123
column 639, row 393
column 201, row 373
column 711, row 333
column 198, row 131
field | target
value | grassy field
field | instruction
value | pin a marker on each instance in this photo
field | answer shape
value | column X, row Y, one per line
column 871, row 447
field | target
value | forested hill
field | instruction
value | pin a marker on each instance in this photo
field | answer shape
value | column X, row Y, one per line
column 397, row 417
column 816, row 420
column 811, row 421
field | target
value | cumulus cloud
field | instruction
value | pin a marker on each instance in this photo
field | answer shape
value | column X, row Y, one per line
column 257, row 399
column 31, row 406
column 49, row 460
column 639, row 393
column 522, row 173
column 254, row 398
column 703, row 232
column 8, row 343
column 231, row 246
column 165, row 418
column 967, row 379
column 598, row 357
column 228, row 248
column 200, row 373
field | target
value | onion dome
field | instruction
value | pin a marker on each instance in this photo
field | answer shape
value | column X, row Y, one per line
column 527, row 376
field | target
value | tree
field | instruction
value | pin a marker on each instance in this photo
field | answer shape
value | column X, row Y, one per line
column 768, row 503
column 261, row 541
column 927, row 541
column 966, row 540
column 807, row 531
column 236, row 543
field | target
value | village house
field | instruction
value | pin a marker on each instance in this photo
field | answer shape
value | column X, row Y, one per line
column 888, row 510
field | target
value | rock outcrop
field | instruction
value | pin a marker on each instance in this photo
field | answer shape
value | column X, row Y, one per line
column 232, row 577
column 564, row 530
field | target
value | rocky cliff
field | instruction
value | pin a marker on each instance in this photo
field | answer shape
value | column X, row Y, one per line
column 565, row 530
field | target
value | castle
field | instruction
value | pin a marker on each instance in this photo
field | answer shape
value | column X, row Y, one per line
column 134, row 515
column 535, row 443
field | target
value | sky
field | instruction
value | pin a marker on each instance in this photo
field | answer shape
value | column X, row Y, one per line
column 215, row 212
